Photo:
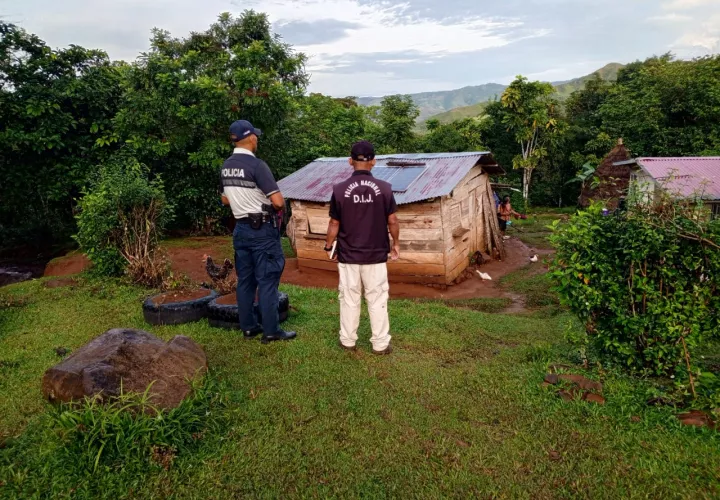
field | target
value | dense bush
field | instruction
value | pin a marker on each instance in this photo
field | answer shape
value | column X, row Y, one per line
column 121, row 219
column 55, row 108
column 644, row 282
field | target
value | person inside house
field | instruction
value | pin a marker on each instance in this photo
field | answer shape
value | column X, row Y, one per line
column 250, row 190
column 505, row 214
column 362, row 210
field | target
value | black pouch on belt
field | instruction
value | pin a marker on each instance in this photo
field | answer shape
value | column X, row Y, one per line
column 256, row 220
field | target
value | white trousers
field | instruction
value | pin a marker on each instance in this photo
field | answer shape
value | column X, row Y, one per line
column 374, row 280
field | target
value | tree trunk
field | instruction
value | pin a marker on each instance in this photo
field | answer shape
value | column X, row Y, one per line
column 527, row 176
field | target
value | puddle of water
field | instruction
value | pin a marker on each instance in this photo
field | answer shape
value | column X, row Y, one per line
column 10, row 274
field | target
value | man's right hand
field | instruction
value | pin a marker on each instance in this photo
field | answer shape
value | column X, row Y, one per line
column 395, row 252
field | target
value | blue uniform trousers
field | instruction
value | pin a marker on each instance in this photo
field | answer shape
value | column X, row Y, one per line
column 259, row 262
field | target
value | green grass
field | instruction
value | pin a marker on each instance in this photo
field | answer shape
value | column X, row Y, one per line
column 455, row 411
column 287, row 248
column 480, row 305
column 221, row 242
column 534, row 231
column 534, row 286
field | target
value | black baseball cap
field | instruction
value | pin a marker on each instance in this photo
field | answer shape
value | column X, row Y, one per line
column 241, row 129
column 363, row 151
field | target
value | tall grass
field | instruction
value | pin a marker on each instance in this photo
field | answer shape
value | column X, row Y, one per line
column 127, row 435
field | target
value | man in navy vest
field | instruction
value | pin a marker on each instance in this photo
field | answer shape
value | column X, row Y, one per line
column 249, row 188
column 362, row 209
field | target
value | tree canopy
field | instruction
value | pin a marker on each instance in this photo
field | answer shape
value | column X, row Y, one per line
column 64, row 113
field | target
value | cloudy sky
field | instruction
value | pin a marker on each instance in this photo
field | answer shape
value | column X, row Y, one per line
column 378, row 47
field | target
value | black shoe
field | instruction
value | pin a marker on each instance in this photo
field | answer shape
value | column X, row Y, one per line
column 251, row 334
column 280, row 335
column 352, row 349
column 384, row 352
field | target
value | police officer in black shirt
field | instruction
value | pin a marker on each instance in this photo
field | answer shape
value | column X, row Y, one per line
column 362, row 211
column 253, row 195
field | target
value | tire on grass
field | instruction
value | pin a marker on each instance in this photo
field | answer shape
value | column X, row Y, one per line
column 177, row 313
column 226, row 315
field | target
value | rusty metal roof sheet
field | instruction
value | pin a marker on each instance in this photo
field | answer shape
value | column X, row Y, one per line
column 686, row 177
column 442, row 174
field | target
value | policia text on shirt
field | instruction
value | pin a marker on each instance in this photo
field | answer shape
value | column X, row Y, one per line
column 249, row 188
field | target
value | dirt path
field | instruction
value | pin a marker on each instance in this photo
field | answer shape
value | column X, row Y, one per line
column 518, row 256
column 188, row 259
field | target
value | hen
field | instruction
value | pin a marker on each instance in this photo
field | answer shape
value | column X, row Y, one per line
column 224, row 281
column 216, row 272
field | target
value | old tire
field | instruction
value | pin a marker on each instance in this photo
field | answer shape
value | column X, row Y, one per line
column 177, row 313
column 226, row 315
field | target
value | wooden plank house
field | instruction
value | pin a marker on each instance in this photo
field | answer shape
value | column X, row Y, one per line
column 445, row 207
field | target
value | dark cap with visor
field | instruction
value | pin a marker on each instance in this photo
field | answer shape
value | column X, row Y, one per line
column 242, row 129
column 363, row 151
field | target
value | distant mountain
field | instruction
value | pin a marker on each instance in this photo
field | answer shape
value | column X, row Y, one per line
column 432, row 103
column 460, row 113
column 609, row 73
column 467, row 102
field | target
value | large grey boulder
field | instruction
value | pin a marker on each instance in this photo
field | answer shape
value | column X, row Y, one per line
column 134, row 358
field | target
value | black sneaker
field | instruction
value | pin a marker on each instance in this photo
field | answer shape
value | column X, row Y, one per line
column 280, row 335
column 251, row 334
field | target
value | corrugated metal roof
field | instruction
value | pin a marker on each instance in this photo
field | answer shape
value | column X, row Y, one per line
column 686, row 177
column 444, row 171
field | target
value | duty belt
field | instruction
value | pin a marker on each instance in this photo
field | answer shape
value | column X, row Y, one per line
column 248, row 220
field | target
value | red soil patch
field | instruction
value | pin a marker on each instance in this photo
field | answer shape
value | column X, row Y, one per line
column 227, row 300
column 697, row 418
column 60, row 283
column 518, row 256
column 67, row 266
column 180, row 296
column 189, row 261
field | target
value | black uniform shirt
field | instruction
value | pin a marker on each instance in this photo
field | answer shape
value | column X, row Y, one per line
column 363, row 204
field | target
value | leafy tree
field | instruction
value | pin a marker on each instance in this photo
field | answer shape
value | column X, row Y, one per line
column 530, row 113
column 56, row 110
column 182, row 95
column 585, row 175
column 457, row 136
column 395, row 121
column 323, row 126
column 664, row 107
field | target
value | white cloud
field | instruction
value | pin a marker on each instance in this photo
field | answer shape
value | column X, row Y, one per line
column 385, row 28
column 705, row 41
column 399, row 47
column 375, row 83
column 399, row 61
column 670, row 18
column 688, row 4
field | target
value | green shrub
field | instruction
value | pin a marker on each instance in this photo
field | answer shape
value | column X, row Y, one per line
column 644, row 282
column 121, row 219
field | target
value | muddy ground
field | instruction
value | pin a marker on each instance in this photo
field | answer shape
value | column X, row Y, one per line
column 187, row 259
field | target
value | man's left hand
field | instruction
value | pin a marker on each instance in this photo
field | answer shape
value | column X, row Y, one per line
column 395, row 252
